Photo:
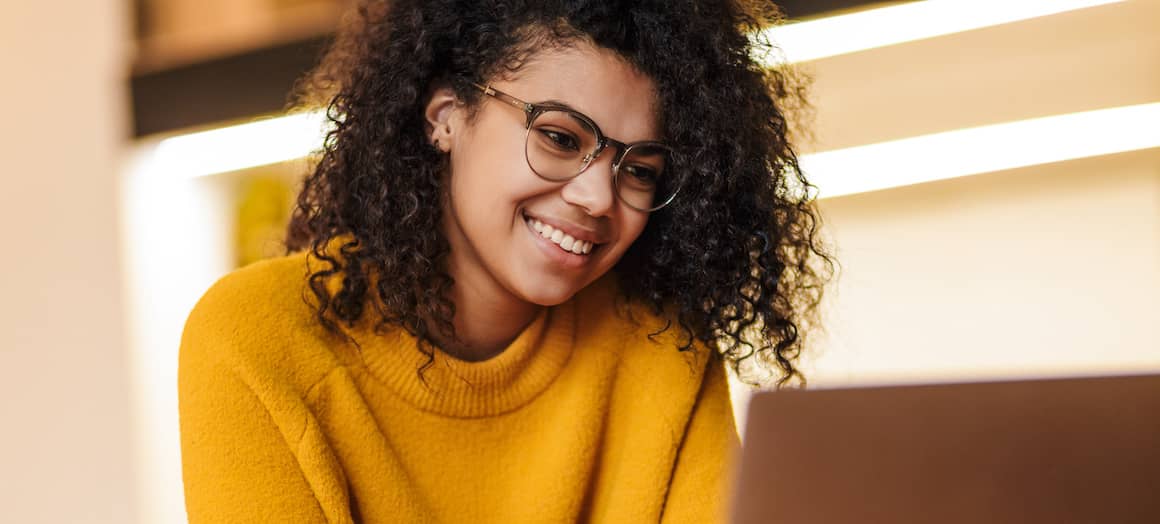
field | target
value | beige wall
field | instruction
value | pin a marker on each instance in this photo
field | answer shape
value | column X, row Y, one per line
column 1046, row 270
column 1050, row 269
column 65, row 452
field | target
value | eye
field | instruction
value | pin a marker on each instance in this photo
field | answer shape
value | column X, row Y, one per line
column 560, row 139
column 641, row 175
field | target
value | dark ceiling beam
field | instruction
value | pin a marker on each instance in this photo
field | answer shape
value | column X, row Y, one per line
column 258, row 82
column 249, row 84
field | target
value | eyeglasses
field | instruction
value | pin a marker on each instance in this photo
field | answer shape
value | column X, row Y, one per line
column 561, row 143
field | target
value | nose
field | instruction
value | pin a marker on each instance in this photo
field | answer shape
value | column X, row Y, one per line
column 592, row 188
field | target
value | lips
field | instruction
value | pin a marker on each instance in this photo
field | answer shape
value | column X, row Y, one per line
column 562, row 240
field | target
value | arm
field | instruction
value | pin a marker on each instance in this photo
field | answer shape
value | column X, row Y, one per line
column 699, row 490
column 237, row 464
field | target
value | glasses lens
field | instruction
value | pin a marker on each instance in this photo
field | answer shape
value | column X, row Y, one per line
column 558, row 144
column 642, row 179
column 558, row 147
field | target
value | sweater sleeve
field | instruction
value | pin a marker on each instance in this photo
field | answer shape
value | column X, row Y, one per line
column 700, row 487
column 237, row 464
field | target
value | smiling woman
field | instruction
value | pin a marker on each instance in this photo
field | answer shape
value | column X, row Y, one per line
column 507, row 173
column 535, row 238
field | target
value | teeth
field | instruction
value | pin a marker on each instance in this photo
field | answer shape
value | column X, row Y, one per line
column 565, row 241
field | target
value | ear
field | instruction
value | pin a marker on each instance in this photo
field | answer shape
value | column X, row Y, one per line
column 441, row 113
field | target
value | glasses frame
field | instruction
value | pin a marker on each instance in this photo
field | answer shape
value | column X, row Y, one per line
column 532, row 111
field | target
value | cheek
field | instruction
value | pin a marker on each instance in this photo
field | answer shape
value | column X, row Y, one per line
column 493, row 174
column 630, row 228
column 633, row 227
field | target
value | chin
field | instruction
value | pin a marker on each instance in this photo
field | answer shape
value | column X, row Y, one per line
column 549, row 294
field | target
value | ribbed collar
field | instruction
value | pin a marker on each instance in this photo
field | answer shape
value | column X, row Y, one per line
column 458, row 388
column 463, row 389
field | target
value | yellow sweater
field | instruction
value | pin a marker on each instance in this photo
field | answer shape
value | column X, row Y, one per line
column 582, row 418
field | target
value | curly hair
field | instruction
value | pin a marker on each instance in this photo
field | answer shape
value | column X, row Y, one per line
column 737, row 256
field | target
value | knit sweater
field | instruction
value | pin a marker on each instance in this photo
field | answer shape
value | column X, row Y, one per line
column 582, row 418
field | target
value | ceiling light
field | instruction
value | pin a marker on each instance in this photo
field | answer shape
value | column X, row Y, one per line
column 836, row 35
column 984, row 149
column 241, row 146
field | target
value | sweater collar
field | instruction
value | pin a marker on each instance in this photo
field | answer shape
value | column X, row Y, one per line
column 459, row 388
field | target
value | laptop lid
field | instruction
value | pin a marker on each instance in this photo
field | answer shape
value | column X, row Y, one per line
column 1052, row 451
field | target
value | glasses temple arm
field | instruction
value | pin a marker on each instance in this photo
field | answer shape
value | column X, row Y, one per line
column 506, row 98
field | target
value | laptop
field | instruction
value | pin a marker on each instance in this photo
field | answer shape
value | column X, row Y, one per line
column 1059, row 451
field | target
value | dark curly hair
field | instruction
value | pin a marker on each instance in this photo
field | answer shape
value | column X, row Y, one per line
column 736, row 256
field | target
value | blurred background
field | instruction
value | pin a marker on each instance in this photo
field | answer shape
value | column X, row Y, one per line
column 989, row 173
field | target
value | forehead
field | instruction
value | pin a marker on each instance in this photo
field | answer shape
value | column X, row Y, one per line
column 597, row 82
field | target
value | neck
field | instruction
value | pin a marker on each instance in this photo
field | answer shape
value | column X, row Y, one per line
column 484, row 326
column 488, row 317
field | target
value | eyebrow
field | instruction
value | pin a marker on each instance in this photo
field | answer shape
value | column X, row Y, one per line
column 565, row 105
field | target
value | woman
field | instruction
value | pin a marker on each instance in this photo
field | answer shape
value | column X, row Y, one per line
column 536, row 236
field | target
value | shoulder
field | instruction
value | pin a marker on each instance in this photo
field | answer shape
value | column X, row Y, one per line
column 257, row 321
column 265, row 292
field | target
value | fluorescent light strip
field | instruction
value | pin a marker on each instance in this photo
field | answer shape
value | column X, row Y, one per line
column 242, row 146
column 836, row 35
column 840, row 172
column 985, row 149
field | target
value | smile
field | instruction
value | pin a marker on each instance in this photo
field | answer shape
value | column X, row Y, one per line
column 562, row 240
